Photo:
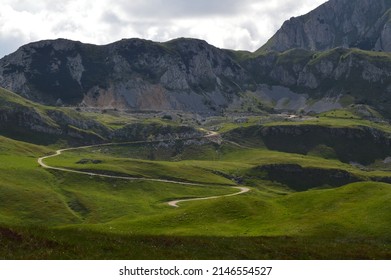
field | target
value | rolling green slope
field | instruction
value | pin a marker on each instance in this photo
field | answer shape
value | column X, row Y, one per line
column 53, row 214
column 351, row 220
column 351, row 213
column 27, row 193
column 31, row 122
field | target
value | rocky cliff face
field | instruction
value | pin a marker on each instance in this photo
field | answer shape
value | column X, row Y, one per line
column 318, row 69
column 191, row 75
column 345, row 144
column 362, row 76
column 30, row 122
column 24, row 120
column 27, row 124
column 299, row 178
column 364, row 24
column 342, row 143
column 182, row 74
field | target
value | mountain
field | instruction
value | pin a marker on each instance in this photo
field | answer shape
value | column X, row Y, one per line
column 318, row 62
column 191, row 75
column 364, row 24
column 304, row 134
column 321, row 81
column 183, row 74
column 27, row 121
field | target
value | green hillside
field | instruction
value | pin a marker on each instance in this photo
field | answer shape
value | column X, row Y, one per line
column 139, row 150
column 34, row 123
column 301, row 202
column 49, row 214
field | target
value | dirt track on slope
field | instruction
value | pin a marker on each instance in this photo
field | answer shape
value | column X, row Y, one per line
column 243, row 190
column 173, row 203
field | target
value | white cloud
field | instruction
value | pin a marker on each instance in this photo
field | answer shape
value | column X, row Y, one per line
column 245, row 24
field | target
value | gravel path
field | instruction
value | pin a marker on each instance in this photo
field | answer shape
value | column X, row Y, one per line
column 243, row 190
column 171, row 203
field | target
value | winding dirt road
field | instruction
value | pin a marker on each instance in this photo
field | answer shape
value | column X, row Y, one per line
column 171, row 203
column 59, row 152
column 174, row 203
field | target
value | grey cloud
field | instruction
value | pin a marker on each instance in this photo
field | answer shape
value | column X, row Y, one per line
column 284, row 12
column 253, row 21
column 65, row 26
column 9, row 44
column 111, row 17
column 184, row 9
column 163, row 30
column 252, row 29
column 38, row 5
column 27, row 6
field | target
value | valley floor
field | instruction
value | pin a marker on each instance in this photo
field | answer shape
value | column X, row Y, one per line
column 281, row 189
column 66, row 215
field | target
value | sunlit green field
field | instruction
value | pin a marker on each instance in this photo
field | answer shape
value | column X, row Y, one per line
column 48, row 214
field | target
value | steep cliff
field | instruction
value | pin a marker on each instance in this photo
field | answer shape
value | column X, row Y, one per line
column 190, row 75
column 364, row 24
column 183, row 74
column 347, row 76
column 321, row 61
column 360, row 144
column 25, row 120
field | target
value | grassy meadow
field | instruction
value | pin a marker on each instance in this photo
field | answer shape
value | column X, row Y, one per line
column 49, row 214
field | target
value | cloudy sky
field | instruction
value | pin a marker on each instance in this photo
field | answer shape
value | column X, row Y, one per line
column 234, row 24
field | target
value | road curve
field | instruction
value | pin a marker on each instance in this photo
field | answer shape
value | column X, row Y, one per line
column 59, row 152
column 174, row 203
column 171, row 203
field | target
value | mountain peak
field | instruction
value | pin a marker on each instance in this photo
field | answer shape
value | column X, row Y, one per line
column 364, row 24
column 185, row 74
column 56, row 44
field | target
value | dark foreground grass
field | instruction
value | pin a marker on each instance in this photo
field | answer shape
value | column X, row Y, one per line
column 57, row 215
column 32, row 244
